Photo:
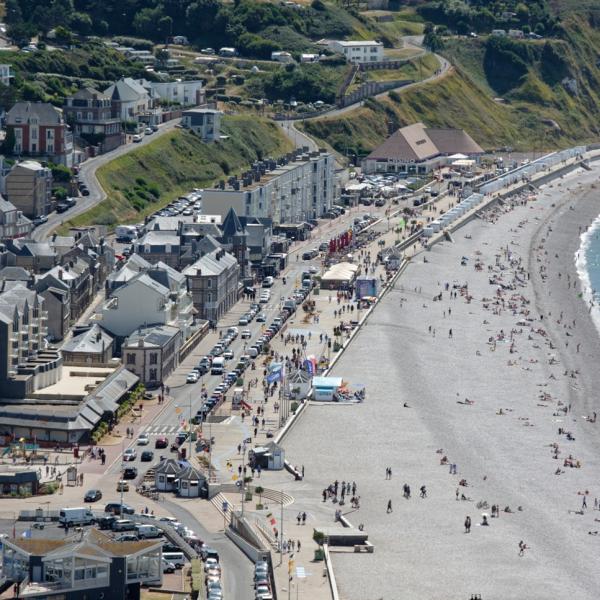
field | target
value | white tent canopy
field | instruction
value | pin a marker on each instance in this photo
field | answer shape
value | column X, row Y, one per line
column 343, row 271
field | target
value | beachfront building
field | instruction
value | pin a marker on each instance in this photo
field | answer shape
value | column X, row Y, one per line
column 296, row 188
column 417, row 149
column 358, row 51
column 213, row 281
column 89, row 566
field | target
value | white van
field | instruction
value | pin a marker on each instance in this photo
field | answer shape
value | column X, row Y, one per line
column 125, row 233
column 76, row 516
column 252, row 352
column 148, row 531
column 218, row 366
column 176, row 558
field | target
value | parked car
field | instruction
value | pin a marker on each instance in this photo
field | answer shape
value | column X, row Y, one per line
column 136, row 139
column 115, row 508
column 192, row 377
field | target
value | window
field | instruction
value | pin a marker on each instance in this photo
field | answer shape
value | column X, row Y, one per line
column 130, row 358
column 153, row 373
column 154, row 358
column 209, row 297
column 49, row 134
column 209, row 283
column 34, row 133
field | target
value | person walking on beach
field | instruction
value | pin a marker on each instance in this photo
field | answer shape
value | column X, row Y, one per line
column 423, row 492
column 522, row 548
column 468, row 524
column 389, row 507
column 584, row 502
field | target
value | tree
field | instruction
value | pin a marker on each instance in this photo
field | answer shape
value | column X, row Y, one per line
column 63, row 35
column 201, row 15
column 260, row 491
column 81, row 23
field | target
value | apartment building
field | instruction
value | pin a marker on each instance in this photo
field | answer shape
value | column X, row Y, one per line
column 143, row 301
column 39, row 129
column 25, row 363
column 298, row 187
column 88, row 112
column 359, row 51
column 13, row 223
column 29, row 188
column 213, row 281
column 185, row 93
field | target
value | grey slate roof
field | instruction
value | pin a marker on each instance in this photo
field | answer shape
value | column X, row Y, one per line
column 210, row 265
column 157, row 336
column 14, row 274
column 92, row 341
column 191, row 474
column 126, row 90
column 45, row 112
column 231, row 225
column 169, row 466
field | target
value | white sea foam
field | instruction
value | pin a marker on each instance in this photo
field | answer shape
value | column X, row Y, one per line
column 581, row 264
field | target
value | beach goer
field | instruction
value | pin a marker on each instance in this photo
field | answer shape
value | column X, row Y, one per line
column 468, row 524
column 423, row 492
column 389, row 506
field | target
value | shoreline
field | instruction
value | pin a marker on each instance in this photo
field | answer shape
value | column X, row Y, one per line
column 504, row 456
column 568, row 227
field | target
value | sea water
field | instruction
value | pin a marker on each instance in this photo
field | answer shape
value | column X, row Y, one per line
column 587, row 262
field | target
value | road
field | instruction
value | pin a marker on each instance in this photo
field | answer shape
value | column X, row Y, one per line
column 87, row 173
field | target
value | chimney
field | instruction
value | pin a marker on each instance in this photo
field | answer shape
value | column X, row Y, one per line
column 98, row 336
column 198, row 272
column 60, row 274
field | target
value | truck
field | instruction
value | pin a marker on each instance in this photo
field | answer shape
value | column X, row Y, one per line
column 68, row 517
column 218, row 366
column 125, row 233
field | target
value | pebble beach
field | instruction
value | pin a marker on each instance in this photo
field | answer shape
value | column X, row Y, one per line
column 498, row 376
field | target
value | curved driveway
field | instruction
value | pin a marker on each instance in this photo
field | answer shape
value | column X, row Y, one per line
column 87, row 173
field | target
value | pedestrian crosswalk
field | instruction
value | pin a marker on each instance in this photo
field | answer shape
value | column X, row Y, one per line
column 159, row 429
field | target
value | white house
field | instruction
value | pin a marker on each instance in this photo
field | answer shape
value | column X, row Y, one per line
column 143, row 301
column 129, row 99
column 359, row 51
column 204, row 122
column 186, row 93
column 309, row 58
column 282, row 57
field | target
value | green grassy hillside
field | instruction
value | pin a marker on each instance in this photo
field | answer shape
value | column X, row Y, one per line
column 538, row 95
column 150, row 177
